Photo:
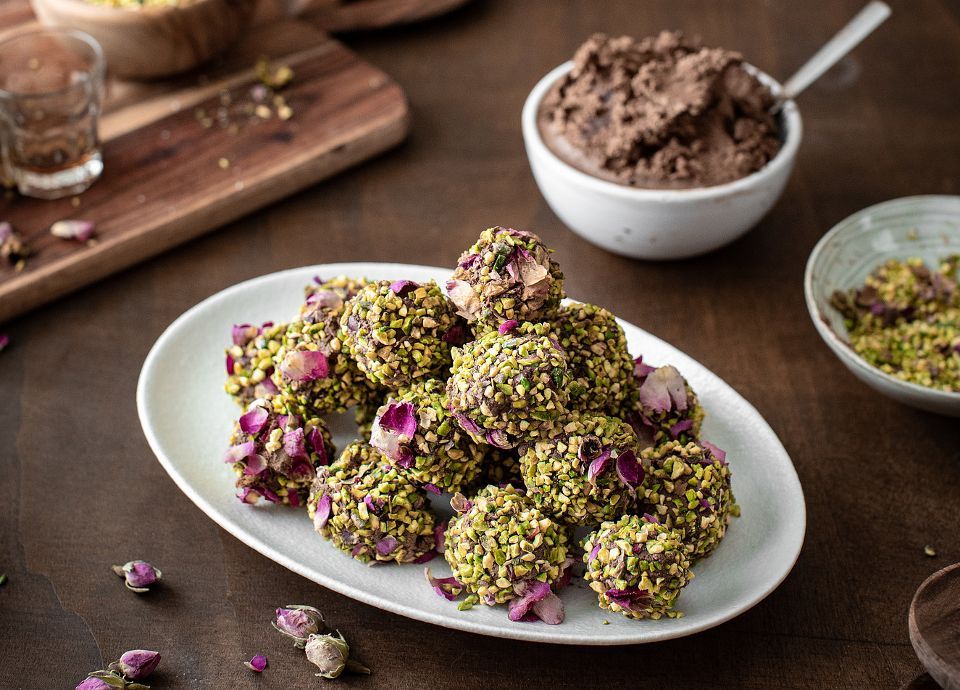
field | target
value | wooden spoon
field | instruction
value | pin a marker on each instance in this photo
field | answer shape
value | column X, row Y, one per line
column 934, row 625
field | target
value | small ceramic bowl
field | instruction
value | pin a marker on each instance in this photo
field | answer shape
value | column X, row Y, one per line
column 153, row 41
column 923, row 226
column 656, row 223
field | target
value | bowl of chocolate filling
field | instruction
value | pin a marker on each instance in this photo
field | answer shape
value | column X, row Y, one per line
column 659, row 148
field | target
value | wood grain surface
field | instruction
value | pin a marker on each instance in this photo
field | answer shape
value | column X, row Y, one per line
column 168, row 179
column 80, row 490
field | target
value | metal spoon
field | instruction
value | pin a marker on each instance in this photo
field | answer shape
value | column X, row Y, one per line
column 858, row 28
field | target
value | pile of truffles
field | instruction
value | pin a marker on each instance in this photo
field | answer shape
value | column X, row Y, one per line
column 530, row 414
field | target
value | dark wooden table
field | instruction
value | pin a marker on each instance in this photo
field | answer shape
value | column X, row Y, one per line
column 80, row 490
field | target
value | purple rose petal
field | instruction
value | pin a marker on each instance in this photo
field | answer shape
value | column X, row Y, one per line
column 629, row 469
column 387, row 545
column 294, row 499
column 507, row 326
column 253, row 420
column 325, row 299
column 425, row 557
column 293, row 444
column 402, row 287
column 315, row 437
column 295, row 622
column 594, row 551
column 538, row 598
column 255, row 464
column 439, row 535
column 243, row 333
column 257, row 663
column 137, row 664
column 269, row 495
column 641, row 370
column 632, row 599
column 468, row 425
column 323, row 511
column 432, row 488
column 469, row 261
column 651, row 518
column 447, row 587
column 269, row 386
column 393, row 429
column 248, row 495
column 455, row 335
column 663, row 390
column 239, row 452
column 3, row 344
column 92, row 683
column 680, row 427
column 498, row 439
column 598, row 466
column 305, row 365
column 720, row 455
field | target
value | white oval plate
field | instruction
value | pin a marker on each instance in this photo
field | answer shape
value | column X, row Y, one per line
column 187, row 419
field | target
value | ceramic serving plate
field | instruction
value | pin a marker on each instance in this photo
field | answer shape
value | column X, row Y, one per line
column 187, row 419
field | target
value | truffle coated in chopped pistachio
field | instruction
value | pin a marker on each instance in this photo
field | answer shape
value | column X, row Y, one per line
column 395, row 332
column 579, row 475
column 438, row 451
column 369, row 510
column 338, row 383
column 601, row 368
column 665, row 407
column 499, row 541
column 637, row 567
column 506, row 275
column 276, row 454
column 688, row 489
column 509, row 388
column 250, row 361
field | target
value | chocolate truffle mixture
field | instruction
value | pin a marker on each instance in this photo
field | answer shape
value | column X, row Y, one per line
column 663, row 112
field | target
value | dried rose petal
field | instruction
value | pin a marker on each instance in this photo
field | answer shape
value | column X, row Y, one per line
column 425, row 557
column 720, row 455
column 323, row 511
column 305, row 365
column 239, row 452
column 80, row 230
column 460, row 503
column 498, row 439
column 138, row 575
column 439, row 536
column 680, row 427
column 629, row 469
column 402, row 287
column 92, row 683
column 651, row 518
column 325, row 299
column 663, row 390
column 632, row 599
column 392, row 430
column 255, row 464
column 243, row 333
column 293, row 443
column 432, row 488
column 138, row 663
column 464, row 298
column 229, row 365
column 257, row 663
column 447, row 587
column 315, row 437
column 594, row 551
column 507, row 326
column 467, row 424
column 253, row 420
column 537, row 598
column 387, row 545
column 599, row 465
column 298, row 621
column 641, row 370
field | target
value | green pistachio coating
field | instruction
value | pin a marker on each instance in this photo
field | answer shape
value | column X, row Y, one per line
column 905, row 320
column 556, row 470
column 688, row 488
column 637, row 567
column 500, row 540
column 507, row 274
column 601, row 368
column 251, row 364
column 396, row 339
column 513, row 387
column 442, row 453
column 376, row 513
column 280, row 477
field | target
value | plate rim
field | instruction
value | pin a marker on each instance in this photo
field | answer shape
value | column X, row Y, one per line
column 797, row 528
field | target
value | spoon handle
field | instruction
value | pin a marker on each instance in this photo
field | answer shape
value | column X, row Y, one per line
column 861, row 26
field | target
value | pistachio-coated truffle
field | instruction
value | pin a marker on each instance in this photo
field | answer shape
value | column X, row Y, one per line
column 587, row 472
column 601, row 368
column 688, row 489
column 250, row 361
column 276, row 455
column 510, row 387
column 313, row 373
column 416, row 432
column 665, row 407
column 369, row 510
column 397, row 332
column 499, row 541
column 637, row 567
column 506, row 275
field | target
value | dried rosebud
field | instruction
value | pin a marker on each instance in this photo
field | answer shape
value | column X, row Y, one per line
column 138, row 575
column 299, row 622
column 138, row 663
column 91, row 683
column 328, row 653
column 257, row 663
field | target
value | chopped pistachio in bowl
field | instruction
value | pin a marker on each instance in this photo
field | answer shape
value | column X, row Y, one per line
column 923, row 227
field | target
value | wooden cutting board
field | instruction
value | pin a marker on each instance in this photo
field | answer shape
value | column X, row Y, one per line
column 167, row 178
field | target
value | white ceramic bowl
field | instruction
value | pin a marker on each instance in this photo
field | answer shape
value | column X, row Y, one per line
column 924, row 226
column 656, row 223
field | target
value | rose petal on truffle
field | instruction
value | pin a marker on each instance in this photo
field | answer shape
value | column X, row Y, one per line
column 468, row 425
column 319, row 447
column 447, row 587
column 507, row 326
column 229, row 358
column 464, row 299
column 632, row 599
column 325, row 299
column 253, row 420
column 402, row 287
column 629, row 469
column 664, row 390
column 594, row 551
column 80, row 230
column 239, row 452
column 323, row 511
column 719, row 454
column 243, row 333
column 651, row 518
column 257, row 663
column 305, row 365
column 293, row 443
column 425, row 557
column 387, row 545
column 538, row 598
column 248, row 495
column 432, row 488
column 460, row 503
column 641, row 370
column 468, row 261
column 439, row 534
column 392, row 430
column 599, row 465
column 680, row 427
column 255, row 464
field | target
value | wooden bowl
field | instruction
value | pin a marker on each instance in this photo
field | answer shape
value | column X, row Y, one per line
column 153, row 41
